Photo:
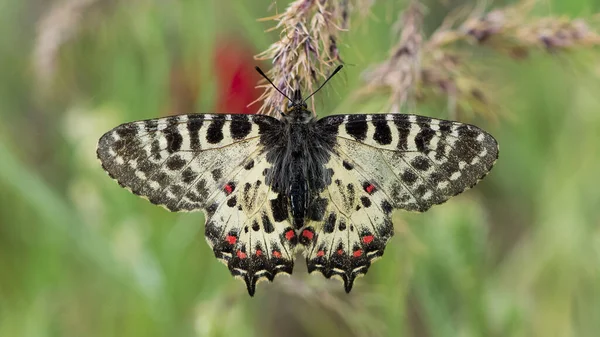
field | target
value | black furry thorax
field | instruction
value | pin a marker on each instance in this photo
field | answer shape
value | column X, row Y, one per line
column 298, row 150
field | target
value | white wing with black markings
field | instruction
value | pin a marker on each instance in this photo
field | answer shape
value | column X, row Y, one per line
column 384, row 162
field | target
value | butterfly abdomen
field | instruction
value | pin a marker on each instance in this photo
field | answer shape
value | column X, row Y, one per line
column 298, row 200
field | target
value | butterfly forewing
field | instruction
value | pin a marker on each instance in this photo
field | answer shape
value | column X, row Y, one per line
column 179, row 162
column 417, row 161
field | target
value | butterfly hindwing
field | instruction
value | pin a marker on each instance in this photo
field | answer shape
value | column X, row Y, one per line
column 178, row 161
column 381, row 163
column 355, row 228
column 245, row 227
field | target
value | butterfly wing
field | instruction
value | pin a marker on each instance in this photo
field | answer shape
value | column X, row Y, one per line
column 177, row 162
column 215, row 163
column 248, row 228
column 381, row 163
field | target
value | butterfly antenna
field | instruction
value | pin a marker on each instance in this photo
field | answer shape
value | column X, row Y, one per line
column 338, row 68
column 273, row 84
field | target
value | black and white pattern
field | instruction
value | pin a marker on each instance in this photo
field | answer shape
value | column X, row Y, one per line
column 269, row 187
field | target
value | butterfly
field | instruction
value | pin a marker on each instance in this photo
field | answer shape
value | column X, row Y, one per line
column 270, row 187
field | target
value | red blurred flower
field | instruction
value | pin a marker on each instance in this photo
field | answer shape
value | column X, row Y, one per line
column 236, row 78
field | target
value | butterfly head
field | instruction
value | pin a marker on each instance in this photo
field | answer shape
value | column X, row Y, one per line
column 297, row 109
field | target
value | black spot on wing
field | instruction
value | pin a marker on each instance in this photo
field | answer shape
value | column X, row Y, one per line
column 403, row 125
column 212, row 232
column 421, row 163
column 214, row 133
column 155, row 149
column 386, row 207
column 268, row 226
column 174, row 140
column 445, row 126
column 423, row 138
column 231, row 202
column 216, row 174
column 127, row 131
column 423, row 122
column 201, row 189
column 194, row 124
column 162, row 178
column 279, row 208
column 383, row 133
column 240, row 126
column 316, row 210
column 175, row 163
column 211, row 209
column 366, row 202
column 465, row 131
column 386, row 230
column 357, row 127
column 329, row 225
column 151, row 125
column 409, row 177
column 188, row 175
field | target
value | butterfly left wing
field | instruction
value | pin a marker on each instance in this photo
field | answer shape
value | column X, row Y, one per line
column 215, row 163
column 380, row 163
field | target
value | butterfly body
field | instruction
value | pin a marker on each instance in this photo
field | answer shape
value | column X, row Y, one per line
column 270, row 187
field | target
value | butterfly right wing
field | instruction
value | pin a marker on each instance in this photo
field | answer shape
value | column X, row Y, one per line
column 383, row 162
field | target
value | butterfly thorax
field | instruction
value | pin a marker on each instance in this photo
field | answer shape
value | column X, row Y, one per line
column 298, row 156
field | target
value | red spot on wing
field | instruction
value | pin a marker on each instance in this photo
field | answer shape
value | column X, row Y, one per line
column 340, row 251
column 320, row 253
column 308, row 234
column 357, row 253
column 231, row 239
column 276, row 254
column 367, row 239
column 241, row 254
column 369, row 188
column 228, row 189
column 290, row 234
column 258, row 252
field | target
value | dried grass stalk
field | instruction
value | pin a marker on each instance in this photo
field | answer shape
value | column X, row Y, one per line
column 400, row 72
column 447, row 68
column 307, row 49
column 55, row 29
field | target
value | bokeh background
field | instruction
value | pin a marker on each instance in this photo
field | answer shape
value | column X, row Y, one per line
column 517, row 256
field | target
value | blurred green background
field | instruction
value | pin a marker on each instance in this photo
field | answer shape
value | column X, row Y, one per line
column 517, row 256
